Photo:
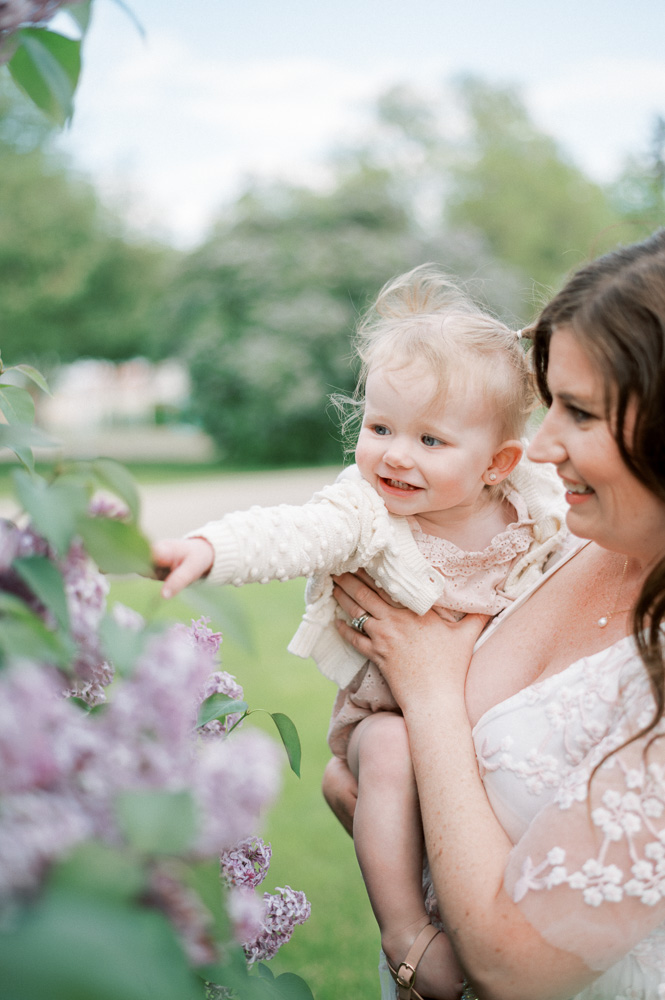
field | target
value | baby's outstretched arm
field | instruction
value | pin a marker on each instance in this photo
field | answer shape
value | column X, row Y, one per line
column 181, row 561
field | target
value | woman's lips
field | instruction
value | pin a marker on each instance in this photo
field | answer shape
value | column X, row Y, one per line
column 577, row 493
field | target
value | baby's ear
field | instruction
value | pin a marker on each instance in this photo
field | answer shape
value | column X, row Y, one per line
column 504, row 461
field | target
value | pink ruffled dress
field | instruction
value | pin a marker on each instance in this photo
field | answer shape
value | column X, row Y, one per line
column 473, row 584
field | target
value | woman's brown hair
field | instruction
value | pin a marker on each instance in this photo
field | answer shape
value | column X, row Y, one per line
column 615, row 307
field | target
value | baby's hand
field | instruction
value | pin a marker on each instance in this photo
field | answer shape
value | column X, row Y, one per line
column 181, row 561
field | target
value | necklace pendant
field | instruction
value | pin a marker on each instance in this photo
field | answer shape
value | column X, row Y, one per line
column 602, row 622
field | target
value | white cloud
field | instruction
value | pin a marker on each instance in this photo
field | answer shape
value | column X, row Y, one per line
column 602, row 110
column 181, row 129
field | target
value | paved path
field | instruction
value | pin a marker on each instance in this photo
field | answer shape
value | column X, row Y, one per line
column 171, row 510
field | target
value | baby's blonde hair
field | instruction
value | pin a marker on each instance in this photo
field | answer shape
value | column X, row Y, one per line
column 422, row 317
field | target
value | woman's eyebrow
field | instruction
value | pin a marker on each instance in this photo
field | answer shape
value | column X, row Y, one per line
column 575, row 398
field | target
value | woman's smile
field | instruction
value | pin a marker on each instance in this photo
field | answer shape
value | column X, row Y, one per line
column 606, row 502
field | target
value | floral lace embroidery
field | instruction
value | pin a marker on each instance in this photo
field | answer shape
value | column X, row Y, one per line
column 620, row 818
column 507, row 544
column 576, row 728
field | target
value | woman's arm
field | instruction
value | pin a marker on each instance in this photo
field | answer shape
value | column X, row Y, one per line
column 425, row 661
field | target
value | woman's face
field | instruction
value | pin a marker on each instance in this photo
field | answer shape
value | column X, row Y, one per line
column 606, row 502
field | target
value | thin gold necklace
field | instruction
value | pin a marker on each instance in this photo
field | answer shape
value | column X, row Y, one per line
column 606, row 619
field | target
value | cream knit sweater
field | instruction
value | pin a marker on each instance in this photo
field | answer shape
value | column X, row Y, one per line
column 345, row 526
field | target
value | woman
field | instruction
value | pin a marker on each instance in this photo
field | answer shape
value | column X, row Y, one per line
column 539, row 760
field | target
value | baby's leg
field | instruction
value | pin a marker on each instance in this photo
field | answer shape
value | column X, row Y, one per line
column 388, row 838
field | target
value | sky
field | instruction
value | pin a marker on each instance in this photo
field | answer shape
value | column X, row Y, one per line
column 212, row 92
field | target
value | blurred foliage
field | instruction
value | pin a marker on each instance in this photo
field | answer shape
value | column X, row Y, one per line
column 267, row 305
column 73, row 282
column 263, row 311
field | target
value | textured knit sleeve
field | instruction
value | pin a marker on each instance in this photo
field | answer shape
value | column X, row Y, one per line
column 285, row 542
column 589, row 872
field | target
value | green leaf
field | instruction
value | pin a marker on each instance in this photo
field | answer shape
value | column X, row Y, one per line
column 264, row 971
column 222, row 606
column 101, row 870
column 12, row 435
column 54, row 508
column 130, row 13
column 122, row 646
column 290, row 739
column 16, row 404
column 25, row 636
column 76, row 945
column 46, row 65
column 157, row 822
column 218, row 706
column 120, row 481
column 25, row 457
column 80, row 13
column 116, row 547
column 45, row 581
column 292, row 987
column 204, row 878
column 33, row 374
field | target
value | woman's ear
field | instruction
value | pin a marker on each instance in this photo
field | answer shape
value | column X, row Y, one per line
column 503, row 462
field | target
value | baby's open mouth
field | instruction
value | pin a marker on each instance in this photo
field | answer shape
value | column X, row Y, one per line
column 397, row 484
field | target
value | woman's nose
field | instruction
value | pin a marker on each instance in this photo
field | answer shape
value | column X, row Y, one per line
column 547, row 445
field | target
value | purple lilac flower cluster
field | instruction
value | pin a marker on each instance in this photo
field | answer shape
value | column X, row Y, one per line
column 261, row 926
column 62, row 768
column 283, row 910
column 86, row 592
column 17, row 14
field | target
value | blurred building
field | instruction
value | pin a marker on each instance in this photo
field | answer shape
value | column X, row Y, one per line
column 134, row 410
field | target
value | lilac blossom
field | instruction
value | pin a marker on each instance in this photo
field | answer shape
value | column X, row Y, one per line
column 247, row 863
column 102, row 505
column 246, row 910
column 204, row 637
column 186, row 912
column 283, row 911
column 220, row 682
column 234, row 782
column 149, row 729
column 36, row 829
column 15, row 14
column 45, row 742
column 61, row 767
column 127, row 617
column 86, row 591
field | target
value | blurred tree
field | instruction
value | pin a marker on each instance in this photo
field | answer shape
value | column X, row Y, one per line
column 268, row 304
column 639, row 192
column 537, row 211
column 72, row 283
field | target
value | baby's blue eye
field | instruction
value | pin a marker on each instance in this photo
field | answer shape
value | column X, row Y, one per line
column 430, row 441
column 380, row 429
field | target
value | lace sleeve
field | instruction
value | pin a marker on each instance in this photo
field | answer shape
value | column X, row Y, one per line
column 589, row 872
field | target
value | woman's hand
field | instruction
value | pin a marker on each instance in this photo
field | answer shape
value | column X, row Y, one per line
column 413, row 652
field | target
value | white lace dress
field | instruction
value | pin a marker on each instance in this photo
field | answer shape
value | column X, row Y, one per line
column 588, row 866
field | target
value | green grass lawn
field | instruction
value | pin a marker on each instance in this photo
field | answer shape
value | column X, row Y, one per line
column 336, row 951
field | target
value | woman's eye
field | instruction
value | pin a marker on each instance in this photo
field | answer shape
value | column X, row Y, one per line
column 429, row 441
column 579, row 416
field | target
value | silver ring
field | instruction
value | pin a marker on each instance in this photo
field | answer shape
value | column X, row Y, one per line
column 359, row 623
